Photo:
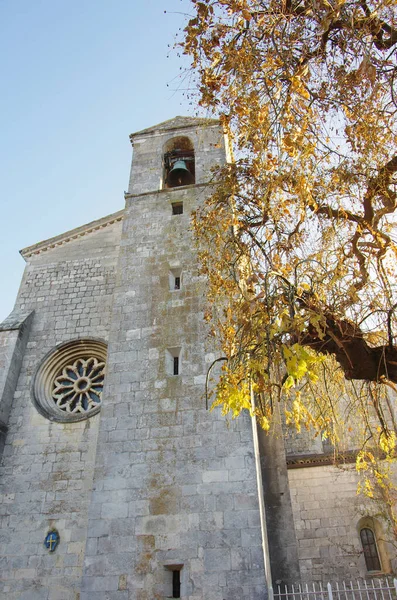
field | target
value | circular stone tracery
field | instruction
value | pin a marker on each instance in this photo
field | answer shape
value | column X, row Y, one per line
column 69, row 382
column 79, row 388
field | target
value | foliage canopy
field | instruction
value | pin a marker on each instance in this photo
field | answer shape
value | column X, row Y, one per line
column 298, row 238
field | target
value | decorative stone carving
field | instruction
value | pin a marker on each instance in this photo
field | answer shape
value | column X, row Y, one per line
column 79, row 388
column 69, row 382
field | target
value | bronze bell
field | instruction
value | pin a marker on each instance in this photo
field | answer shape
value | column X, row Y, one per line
column 179, row 175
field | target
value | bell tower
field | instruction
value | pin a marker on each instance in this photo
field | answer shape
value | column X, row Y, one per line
column 197, row 143
column 175, row 510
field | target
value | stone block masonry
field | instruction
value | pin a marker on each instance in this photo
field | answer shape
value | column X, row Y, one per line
column 153, row 483
column 153, row 489
column 327, row 511
column 47, row 468
column 173, row 484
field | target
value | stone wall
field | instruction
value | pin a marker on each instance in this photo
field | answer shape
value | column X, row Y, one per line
column 46, row 474
column 327, row 512
column 175, row 486
column 327, row 508
column 153, row 483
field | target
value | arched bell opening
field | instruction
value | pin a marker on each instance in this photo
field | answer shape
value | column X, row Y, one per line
column 179, row 164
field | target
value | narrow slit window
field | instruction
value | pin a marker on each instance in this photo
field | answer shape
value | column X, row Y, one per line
column 177, row 208
column 371, row 555
column 176, row 365
column 175, row 279
column 173, row 580
column 176, row 583
column 173, row 361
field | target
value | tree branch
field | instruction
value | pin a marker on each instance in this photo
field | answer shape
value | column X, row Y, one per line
column 378, row 28
column 346, row 342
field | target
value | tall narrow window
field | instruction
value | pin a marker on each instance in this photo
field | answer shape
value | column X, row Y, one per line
column 176, row 584
column 176, row 365
column 370, row 550
column 173, row 581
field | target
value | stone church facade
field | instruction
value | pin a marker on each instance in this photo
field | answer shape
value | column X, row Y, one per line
column 116, row 483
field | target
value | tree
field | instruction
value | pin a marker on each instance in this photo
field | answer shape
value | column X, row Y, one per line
column 298, row 238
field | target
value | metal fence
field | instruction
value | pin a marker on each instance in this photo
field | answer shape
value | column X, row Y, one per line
column 375, row 589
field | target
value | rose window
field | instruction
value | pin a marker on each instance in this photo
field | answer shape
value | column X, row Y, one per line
column 79, row 388
column 69, row 382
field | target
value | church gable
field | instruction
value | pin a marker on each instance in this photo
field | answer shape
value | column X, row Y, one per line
column 91, row 238
column 177, row 123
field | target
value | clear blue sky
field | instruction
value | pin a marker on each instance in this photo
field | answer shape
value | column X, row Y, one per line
column 77, row 77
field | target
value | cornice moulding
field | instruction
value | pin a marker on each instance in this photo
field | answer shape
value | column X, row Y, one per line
column 71, row 235
column 300, row 461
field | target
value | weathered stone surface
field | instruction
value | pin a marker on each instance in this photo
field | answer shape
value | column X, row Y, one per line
column 14, row 334
column 153, row 480
column 177, row 459
column 327, row 511
column 47, row 469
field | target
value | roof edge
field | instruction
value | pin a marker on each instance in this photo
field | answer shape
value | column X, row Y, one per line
column 184, row 123
column 72, row 234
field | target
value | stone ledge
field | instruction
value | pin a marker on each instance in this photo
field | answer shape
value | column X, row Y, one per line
column 168, row 190
column 300, row 461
